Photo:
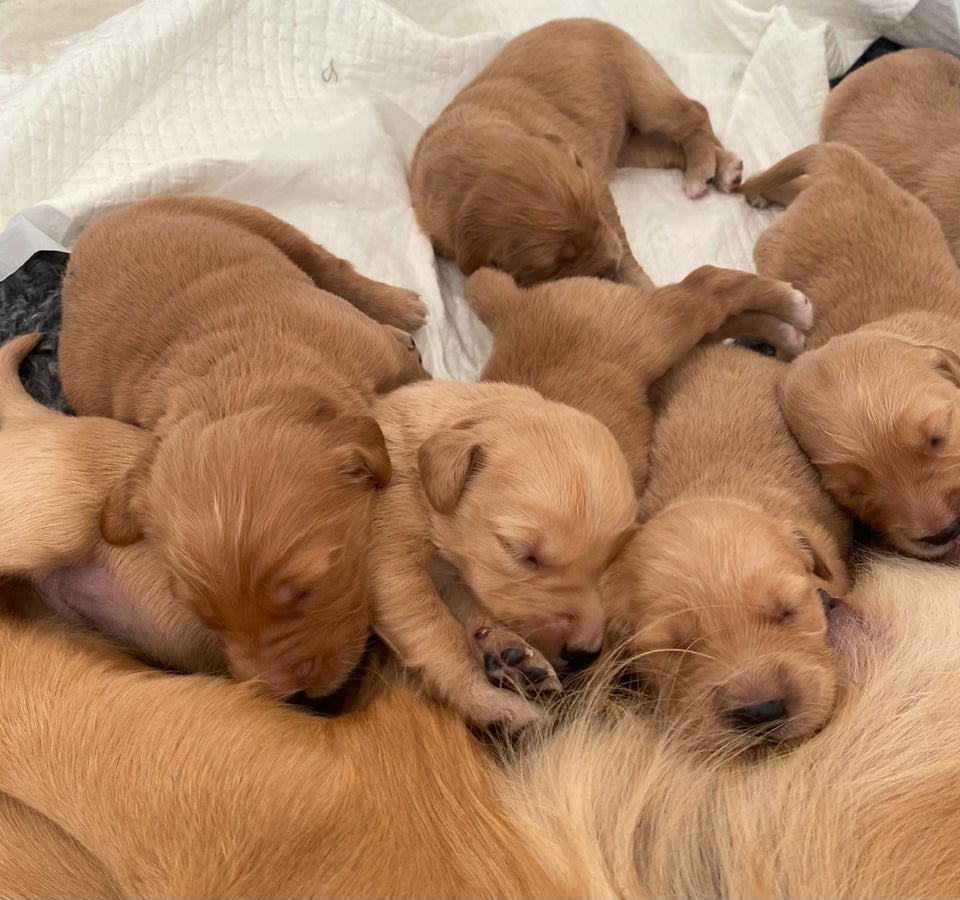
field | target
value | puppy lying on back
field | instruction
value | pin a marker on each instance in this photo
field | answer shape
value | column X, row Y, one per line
column 515, row 173
column 902, row 112
column 718, row 599
column 246, row 349
column 599, row 346
column 526, row 502
column 876, row 404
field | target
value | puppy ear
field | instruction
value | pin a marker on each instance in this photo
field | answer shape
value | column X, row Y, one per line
column 445, row 460
column 475, row 234
column 946, row 362
column 560, row 142
column 367, row 457
column 490, row 292
column 817, row 562
column 121, row 519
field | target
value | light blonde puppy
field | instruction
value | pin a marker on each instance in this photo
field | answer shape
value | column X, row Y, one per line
column 515, row 172
column 718, row 601
column 902, row 112
column 876, row 404
column 525, row 501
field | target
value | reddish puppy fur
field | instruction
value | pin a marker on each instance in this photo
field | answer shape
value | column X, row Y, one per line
column 716, row 598
column 528, row 502
column 902, row 112
column 598, row 346
column 216, row 326
column 515, row 172
column 876, row 406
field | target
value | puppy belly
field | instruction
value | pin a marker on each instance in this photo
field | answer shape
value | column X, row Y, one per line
column 87, row 595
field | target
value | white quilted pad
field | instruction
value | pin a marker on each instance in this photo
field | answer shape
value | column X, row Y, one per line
column 311, row 109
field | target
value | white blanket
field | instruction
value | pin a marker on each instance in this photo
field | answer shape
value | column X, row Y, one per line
column 311, row 109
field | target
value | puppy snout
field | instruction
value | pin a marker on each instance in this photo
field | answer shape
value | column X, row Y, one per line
column 578, row 657
column 759, row 716
column 944, row 536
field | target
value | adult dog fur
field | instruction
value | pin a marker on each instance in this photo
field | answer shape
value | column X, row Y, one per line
column 876, row 404
column 515, row 172
column 222, row 329
column 599, row 346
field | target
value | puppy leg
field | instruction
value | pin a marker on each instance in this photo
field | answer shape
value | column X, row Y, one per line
column 787, row 340
column 410, row 617
column 631, row 272
column 784, row 194
column 650, row 151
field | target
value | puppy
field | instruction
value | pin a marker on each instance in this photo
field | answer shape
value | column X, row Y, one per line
column 599, row 346
column 524, row 501
column 246, row 349
column 58, row 472
column 515, row 172
column 875, row 405
column 718, row 599
column 902, row 112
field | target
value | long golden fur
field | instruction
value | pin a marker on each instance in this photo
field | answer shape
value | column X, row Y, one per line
column 526, row 502
column 717, row 599
column 875, row 405
column 515, row 172
column 222, row 330
column 599, row 346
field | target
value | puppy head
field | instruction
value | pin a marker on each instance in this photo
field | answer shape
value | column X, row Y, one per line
column 534, row 213
column 532, row 504
column 264, row 526
column 879, row 416
column 717, row 605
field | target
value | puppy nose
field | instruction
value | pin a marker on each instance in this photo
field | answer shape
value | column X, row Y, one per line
column 944, row 536
column 758, row 715
column 578, row 657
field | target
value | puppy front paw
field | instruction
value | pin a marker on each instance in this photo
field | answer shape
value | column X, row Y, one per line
column 485, row 705
column 411, row 311
column 729, row 171
column 511, row 663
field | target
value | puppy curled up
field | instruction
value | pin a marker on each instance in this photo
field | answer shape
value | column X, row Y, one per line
column 248, row 351
column 515, row 172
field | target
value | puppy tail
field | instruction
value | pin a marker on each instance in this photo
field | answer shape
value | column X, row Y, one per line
column 785, row 179
column 490, row 294
column 14, row 399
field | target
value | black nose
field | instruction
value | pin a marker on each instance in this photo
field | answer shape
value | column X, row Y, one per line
column 757, row 715
column 577, row 657
column 943, row 537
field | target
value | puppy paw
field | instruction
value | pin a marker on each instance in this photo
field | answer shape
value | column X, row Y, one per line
column 410, row 310
column 789, row 340
column 757, row 201
column 695, row 185
column 799, row 310
column 487, row 705
column 510, row 662
column 729, row 171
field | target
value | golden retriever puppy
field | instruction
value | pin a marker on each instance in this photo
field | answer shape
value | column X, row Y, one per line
column 180, row 786
column 866, row 808
column 598, row 346
column 718, row 598
column 526, row 502
column 515, row 172
column 58, row 471
column 902, row 112
column 875, row 404
column 246, row 349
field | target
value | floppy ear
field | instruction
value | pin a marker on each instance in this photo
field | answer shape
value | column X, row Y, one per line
column 946, row 362
column 445, row 460
column 560, row 142
column 367, row 457
column 489, row 293
column 121, row 519
column 818, row 565
column 474, row 233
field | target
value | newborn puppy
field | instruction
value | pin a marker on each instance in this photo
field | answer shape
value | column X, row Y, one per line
column 515, row 172
column 717, row 599
column 599, row 346
column 246, row 349
column 875, row 404
column 524, row 501
column 57, row 473
column 902, row 112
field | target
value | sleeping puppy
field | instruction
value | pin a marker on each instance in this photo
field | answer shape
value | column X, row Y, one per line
column 719, row 598
column 526, row 503
column 876, row 404
column 902, row 112
column 598, row 346
column 246, row 349
column 515, row 172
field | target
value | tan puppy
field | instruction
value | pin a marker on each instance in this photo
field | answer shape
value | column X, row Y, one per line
column 57, row 473
column 215, row 325
column 525, row 501
column 599, row 346
column 876, row 409
column 902, row 112
column 515, row 172
column 120, row 781
column 717, row 598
